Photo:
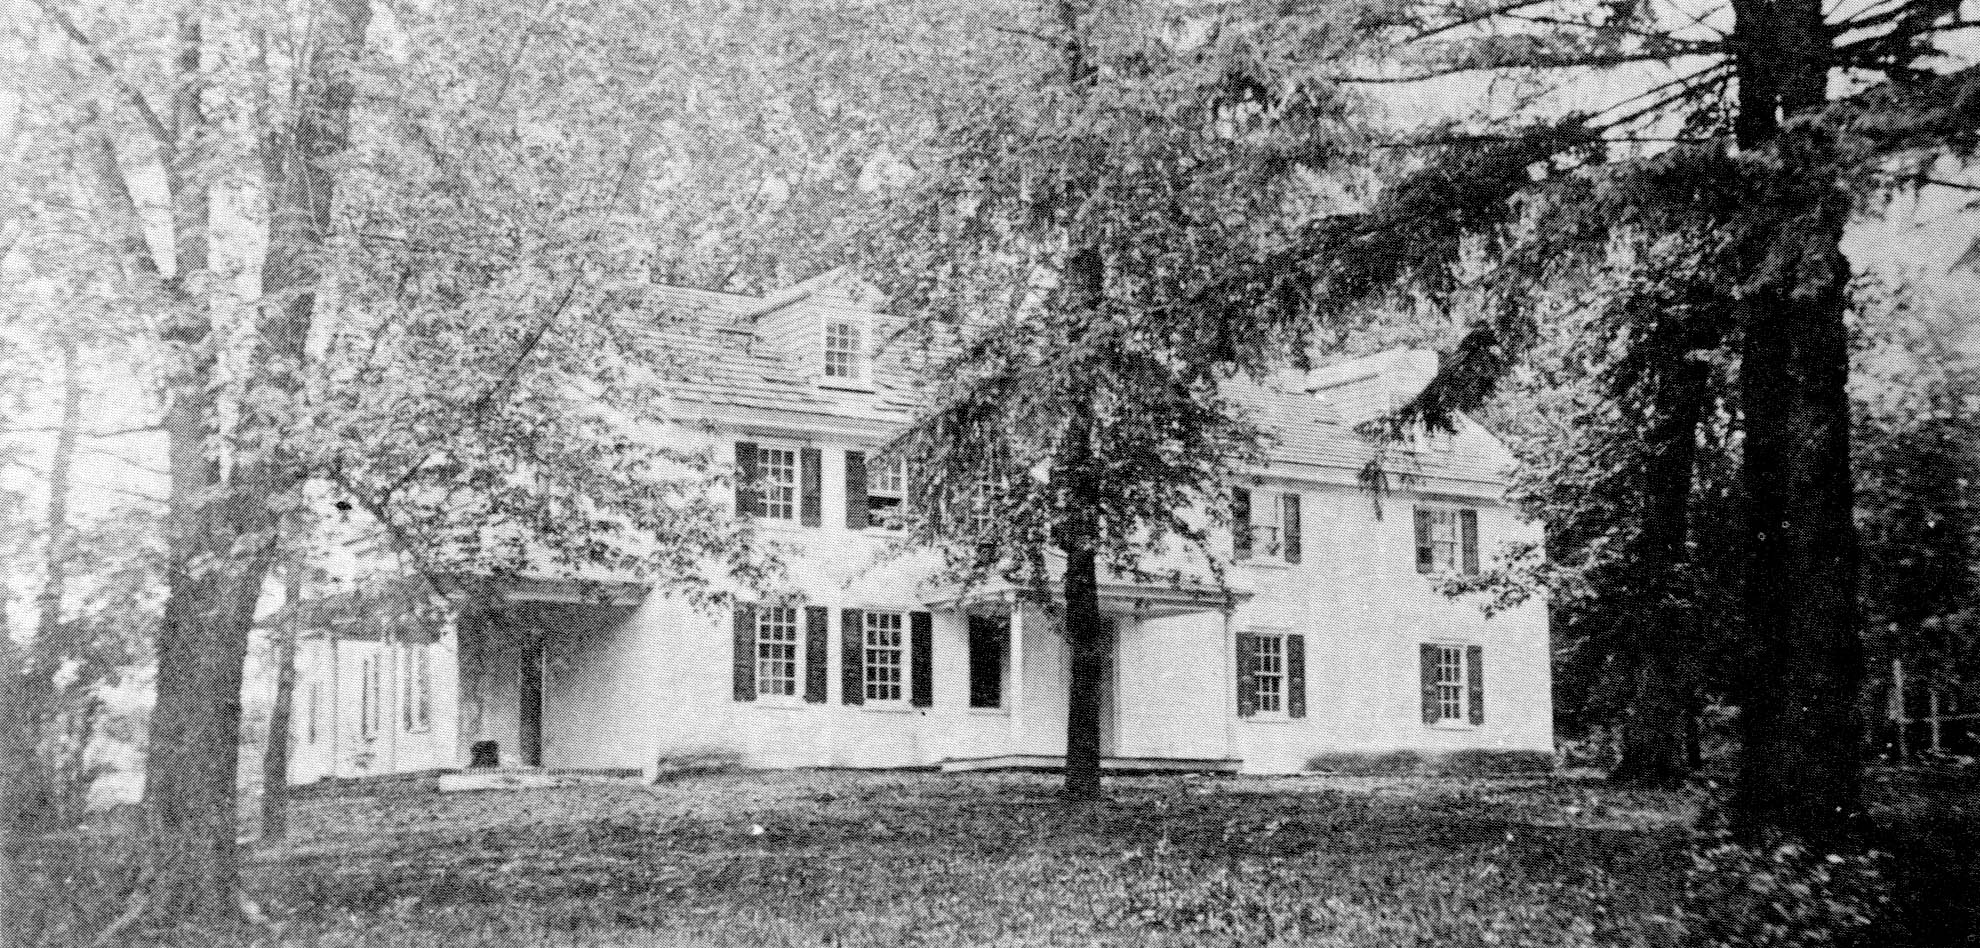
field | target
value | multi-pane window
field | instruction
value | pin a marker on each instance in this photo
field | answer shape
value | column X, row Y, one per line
column 777, row 479
column 417, row 681
column 777, row 651
column 1266, row 527
column 842, row 350
column 886, row 655
column 886, row 492
column 1450, row 682
column 1444, row 539
column 1268, row 673
column 369, row 695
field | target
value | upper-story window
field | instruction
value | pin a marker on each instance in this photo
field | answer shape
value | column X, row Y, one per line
column 845, row 352
column 1265, row 524
column 777, row 479
column 886, row 492
column 1447, row 540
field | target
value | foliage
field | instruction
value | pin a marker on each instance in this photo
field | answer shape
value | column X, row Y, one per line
column 1069, row 251
column 1784, row 896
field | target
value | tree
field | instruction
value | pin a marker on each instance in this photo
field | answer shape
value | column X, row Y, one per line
column 1785, row 166
column 1063, row 252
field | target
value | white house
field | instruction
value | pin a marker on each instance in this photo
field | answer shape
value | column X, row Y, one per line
column 1328, row 639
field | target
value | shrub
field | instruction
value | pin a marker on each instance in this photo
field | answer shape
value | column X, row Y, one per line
column 695, row 763
column 1785, row 896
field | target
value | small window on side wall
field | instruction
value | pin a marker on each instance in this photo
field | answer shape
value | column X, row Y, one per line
column 1447, row 540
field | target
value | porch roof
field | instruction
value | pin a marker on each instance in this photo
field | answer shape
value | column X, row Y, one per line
column 1178, row 596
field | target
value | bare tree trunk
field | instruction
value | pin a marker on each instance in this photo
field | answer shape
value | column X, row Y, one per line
column 1801, row 742
column 275, row 755
column 1654, row 734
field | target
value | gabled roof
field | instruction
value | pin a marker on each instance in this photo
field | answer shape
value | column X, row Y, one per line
column 732, row 375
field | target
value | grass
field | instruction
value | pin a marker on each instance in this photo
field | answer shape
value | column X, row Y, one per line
column 903, row 859
column 856, row 859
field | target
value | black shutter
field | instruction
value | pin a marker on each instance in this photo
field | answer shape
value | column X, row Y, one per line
column 1429, row 656
column 1425, row 558
column 749, row 501
column 856, row 512
column 1247, row 693
column 852, row 656
column 921, row 659
column 1296, row 676
column 1240, row 523
column 1474, row 663
column 815, row 648
column 811, row 500
column 1469, row 520
column 1290, row 523
column 745, row 664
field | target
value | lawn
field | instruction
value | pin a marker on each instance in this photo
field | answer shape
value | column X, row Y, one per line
column 838, row 858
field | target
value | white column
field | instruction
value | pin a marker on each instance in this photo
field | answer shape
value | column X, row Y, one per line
column 1016, row 673
column 1230, row 689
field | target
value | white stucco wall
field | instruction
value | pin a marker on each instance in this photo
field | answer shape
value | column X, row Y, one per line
column 656, row 682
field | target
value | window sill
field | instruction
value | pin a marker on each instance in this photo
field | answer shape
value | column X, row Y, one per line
column 1271, row 718
column 846, row 385
column 781, row 703
column 888, row 707
column 991, row 712
column 1264, row 563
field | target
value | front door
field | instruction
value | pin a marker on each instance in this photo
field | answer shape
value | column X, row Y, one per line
column 530, row 705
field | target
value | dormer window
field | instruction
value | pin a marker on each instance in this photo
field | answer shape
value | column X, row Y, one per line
column 845, row 351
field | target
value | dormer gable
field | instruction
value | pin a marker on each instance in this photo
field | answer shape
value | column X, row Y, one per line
column 823, row 329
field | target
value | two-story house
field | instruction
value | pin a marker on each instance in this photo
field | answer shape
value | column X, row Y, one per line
column 1328, row 636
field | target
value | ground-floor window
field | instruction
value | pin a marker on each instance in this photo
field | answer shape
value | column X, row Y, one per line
column 885, row 648
column 418, row 688
column 989, row 660
column 1268, row 673
column 370, row 693
column 1450, row 683
column 777, row 651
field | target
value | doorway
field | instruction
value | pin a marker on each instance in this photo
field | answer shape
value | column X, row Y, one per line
column 530, row 703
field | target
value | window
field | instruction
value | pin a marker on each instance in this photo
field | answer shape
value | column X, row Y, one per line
column 1268, row 675
column 777, row 479
column 777, row 651
column 886, row 492
column 1450, row 683
column 369, row 693
column 1265, row 524
column 885, row 648
column 1447, row 540
column 310, row 711
column 418, row 688
column 989, row 658
column 844, row 358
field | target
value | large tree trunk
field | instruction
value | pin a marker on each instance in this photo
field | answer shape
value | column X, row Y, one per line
column 1654, row 734
column 1801, row 734
column 1801, row 754
column 1086, row 636
column 225, row 533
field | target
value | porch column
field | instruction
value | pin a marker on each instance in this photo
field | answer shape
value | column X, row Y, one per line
column 1014, row 686
column 1229, row 700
